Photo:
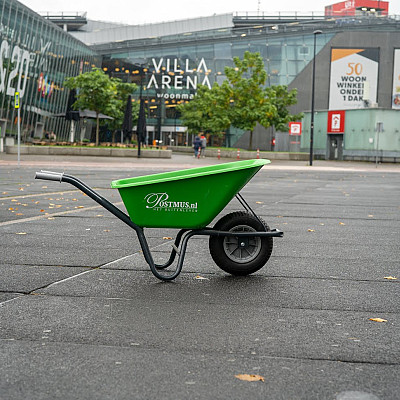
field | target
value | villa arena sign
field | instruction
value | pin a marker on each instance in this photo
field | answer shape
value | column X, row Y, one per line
column 177, row 74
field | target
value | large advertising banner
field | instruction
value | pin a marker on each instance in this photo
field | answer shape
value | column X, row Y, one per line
column 354, row 78
column 396, row 80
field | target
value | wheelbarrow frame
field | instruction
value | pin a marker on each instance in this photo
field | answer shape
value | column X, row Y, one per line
column 183, row 235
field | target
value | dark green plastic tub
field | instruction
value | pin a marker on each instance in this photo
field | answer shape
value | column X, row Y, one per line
column 185, row 199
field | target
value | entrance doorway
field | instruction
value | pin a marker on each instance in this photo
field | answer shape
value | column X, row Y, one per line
column 335, row 147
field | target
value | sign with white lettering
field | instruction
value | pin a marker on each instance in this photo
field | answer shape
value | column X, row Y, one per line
column 354, row 78
column 17, row 64
column 177, row 74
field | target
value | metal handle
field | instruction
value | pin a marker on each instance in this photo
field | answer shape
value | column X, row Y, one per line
column 49, row 176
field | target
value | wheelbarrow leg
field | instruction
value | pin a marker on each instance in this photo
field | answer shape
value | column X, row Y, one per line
column 154, row 268
column 174, row 251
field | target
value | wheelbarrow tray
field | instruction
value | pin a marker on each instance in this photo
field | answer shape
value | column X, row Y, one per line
column 184, row 199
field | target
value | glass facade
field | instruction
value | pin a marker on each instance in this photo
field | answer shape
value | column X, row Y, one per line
column 35, row 58
column 170, row 68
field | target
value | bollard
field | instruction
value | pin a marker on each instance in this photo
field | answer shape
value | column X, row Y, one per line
column 258, row 153
column 238, row 154
column 219, row 154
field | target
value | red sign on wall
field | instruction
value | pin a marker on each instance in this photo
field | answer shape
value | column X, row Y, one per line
column 353, row 7
column 295, row 128
column 336, row 121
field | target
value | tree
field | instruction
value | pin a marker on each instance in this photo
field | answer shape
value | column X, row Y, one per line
column 283, row 99
column 242, row 100
column 101, row 94
column 207, row 112
column 251, row 101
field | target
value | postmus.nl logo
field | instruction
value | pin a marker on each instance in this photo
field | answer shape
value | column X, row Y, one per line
column 161, row 201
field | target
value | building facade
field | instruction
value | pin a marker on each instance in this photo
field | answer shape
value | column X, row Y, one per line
column 35, row 58
column 357, row 68
column 357, row 75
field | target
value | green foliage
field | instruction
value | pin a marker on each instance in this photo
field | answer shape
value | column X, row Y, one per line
column 100, row 93
column 207, row 112
column 252, row 102
column 242, row 100
column 123, row 90
column 283, row 99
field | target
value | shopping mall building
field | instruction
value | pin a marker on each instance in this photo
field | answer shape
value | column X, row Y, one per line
column 35, row 58
column 356, row 81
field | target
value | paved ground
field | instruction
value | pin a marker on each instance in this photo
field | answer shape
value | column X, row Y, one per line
column 81, row 316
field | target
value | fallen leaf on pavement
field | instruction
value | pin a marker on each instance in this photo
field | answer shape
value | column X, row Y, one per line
column 250, row 377
column 378, row 319
column 20, row 233
column 259, row 202
column 167, row 238
column 342, row 223
column 200, row 277
column 311, row 230
column 390, row 278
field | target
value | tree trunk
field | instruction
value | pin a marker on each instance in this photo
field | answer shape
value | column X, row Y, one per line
column 251, row 140
column 97, row 128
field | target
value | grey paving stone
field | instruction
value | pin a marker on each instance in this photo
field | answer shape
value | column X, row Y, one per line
column 207, row 326
column 26, row 278
column 109, row 372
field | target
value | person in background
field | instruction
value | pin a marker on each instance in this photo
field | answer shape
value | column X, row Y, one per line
column 203, row 141
column 196, row 145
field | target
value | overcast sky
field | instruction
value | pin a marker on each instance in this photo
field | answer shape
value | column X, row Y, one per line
column 141, row 12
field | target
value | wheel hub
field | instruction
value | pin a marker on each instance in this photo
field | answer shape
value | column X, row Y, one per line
column 242, row 249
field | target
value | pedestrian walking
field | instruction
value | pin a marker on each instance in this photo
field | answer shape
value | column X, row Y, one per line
column 196, row 145
column 203, row 141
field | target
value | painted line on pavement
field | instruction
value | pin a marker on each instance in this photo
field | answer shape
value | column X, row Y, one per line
column 38, row 217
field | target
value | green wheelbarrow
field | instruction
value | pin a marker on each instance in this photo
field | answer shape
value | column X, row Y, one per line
column 240, row 242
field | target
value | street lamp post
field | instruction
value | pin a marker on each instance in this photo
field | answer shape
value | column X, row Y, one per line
column 312, row 99
column 141, row 123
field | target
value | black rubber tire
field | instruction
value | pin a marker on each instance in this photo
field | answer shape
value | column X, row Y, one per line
column 227, row 253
